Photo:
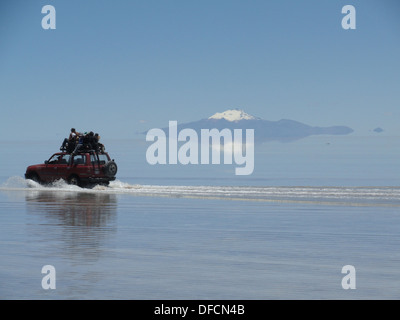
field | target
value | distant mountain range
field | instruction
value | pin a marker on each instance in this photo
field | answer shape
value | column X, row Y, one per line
column 264, row 130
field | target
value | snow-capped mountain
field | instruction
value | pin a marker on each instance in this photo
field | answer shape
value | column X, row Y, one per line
column 264, row 130
column 233, row 115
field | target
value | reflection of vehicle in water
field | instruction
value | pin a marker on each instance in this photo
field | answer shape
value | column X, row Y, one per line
column 80, row 169
column 81, row 223
column 74, row 208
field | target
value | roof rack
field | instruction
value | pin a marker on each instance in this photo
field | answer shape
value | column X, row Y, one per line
column 91, row 151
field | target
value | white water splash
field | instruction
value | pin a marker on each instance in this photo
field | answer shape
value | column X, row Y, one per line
column 301, row 194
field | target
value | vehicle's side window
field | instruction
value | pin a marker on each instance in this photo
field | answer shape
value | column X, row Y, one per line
column 102, row 158
column 65, row 159
column 79, row 159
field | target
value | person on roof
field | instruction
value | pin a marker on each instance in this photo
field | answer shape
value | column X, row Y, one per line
column 100, row 146
column 73, row 134
column 69, row 144
column 79, row 144
column 92, row 141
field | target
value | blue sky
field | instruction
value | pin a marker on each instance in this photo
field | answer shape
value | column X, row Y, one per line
column 119, row 67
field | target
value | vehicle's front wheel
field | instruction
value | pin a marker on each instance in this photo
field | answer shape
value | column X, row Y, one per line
column 74, row 180
column 33, row 176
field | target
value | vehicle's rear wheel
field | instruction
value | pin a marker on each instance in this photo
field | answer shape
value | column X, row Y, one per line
column 74, row 180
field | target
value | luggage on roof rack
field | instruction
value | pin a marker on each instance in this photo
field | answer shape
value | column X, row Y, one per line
column 78, row 143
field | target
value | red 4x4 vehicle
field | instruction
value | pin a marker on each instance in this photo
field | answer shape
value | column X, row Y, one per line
column 82, row 169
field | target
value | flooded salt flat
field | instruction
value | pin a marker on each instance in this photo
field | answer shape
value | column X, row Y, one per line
column 200, row 233
column 180, row 242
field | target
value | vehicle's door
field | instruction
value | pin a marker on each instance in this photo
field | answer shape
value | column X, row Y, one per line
column 62, row 166
column 78, row 166
column 48, row 172
column 97, row 161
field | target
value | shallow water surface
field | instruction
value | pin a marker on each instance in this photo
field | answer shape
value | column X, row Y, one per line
column 200, row 232
column 186, row 242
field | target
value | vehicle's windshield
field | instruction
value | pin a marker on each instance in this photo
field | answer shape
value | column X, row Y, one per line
column 54, row 159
